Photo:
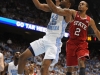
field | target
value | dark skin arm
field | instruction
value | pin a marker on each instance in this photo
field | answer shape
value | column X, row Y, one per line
column 60, row 11
column 67, row 13
column 93, row 26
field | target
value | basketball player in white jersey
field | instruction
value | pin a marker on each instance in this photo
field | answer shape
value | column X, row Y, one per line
column 1, row 62
column 50, row 44
column 12, row 67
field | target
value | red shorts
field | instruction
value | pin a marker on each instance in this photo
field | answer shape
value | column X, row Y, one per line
column 75, row 50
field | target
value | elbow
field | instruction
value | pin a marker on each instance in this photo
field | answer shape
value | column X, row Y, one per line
column 38, row 7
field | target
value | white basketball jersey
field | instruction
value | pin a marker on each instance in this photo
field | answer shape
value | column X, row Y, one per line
column 12, row 69
column 56, row 28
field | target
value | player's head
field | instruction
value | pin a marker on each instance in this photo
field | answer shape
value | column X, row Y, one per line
column 67, row 3
column 83, row 6
column 17, row 55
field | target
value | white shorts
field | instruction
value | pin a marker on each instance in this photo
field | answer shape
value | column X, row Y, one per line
column 51, row 50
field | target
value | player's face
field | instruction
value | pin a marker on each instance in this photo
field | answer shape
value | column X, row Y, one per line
column 17, row 54
column 82, row 6
column 65, row 4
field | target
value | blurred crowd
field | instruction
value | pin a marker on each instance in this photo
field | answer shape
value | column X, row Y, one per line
column 23, row 10
column 11, row 45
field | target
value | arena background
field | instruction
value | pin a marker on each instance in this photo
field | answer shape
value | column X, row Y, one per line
column 18, row 38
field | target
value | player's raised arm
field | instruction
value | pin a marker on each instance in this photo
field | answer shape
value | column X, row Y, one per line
column 93, row 26
column 1, row 62
column 40, row 6
column 60, row 11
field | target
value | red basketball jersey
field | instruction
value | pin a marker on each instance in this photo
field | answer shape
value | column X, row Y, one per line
column 78, row 28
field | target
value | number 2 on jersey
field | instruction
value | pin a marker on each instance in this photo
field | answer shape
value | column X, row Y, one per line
column 77, row 31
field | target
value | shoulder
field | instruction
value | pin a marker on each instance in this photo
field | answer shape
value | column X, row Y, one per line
column 71, row 11
column 91, row 19
column 91, row 22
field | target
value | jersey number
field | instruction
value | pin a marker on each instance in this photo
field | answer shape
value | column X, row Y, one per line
column 78, row 30
column 53, row 20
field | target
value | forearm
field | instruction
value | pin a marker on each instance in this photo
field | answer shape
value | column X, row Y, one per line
column 97, row 33
column 37, row 3
column 52, row 5
column 21, row 65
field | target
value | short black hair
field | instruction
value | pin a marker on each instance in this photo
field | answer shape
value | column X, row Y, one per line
column 72, row 2
column 87, row 5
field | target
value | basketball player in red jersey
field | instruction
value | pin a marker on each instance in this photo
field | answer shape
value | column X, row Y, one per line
column 76, row 48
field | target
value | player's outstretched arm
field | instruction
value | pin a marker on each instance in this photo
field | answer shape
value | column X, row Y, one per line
column 93, row 26
column 1, row 62
column 40, row 6
column 59, row 11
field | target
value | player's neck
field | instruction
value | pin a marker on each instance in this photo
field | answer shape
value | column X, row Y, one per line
column 15, row 62
column 82, row 14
